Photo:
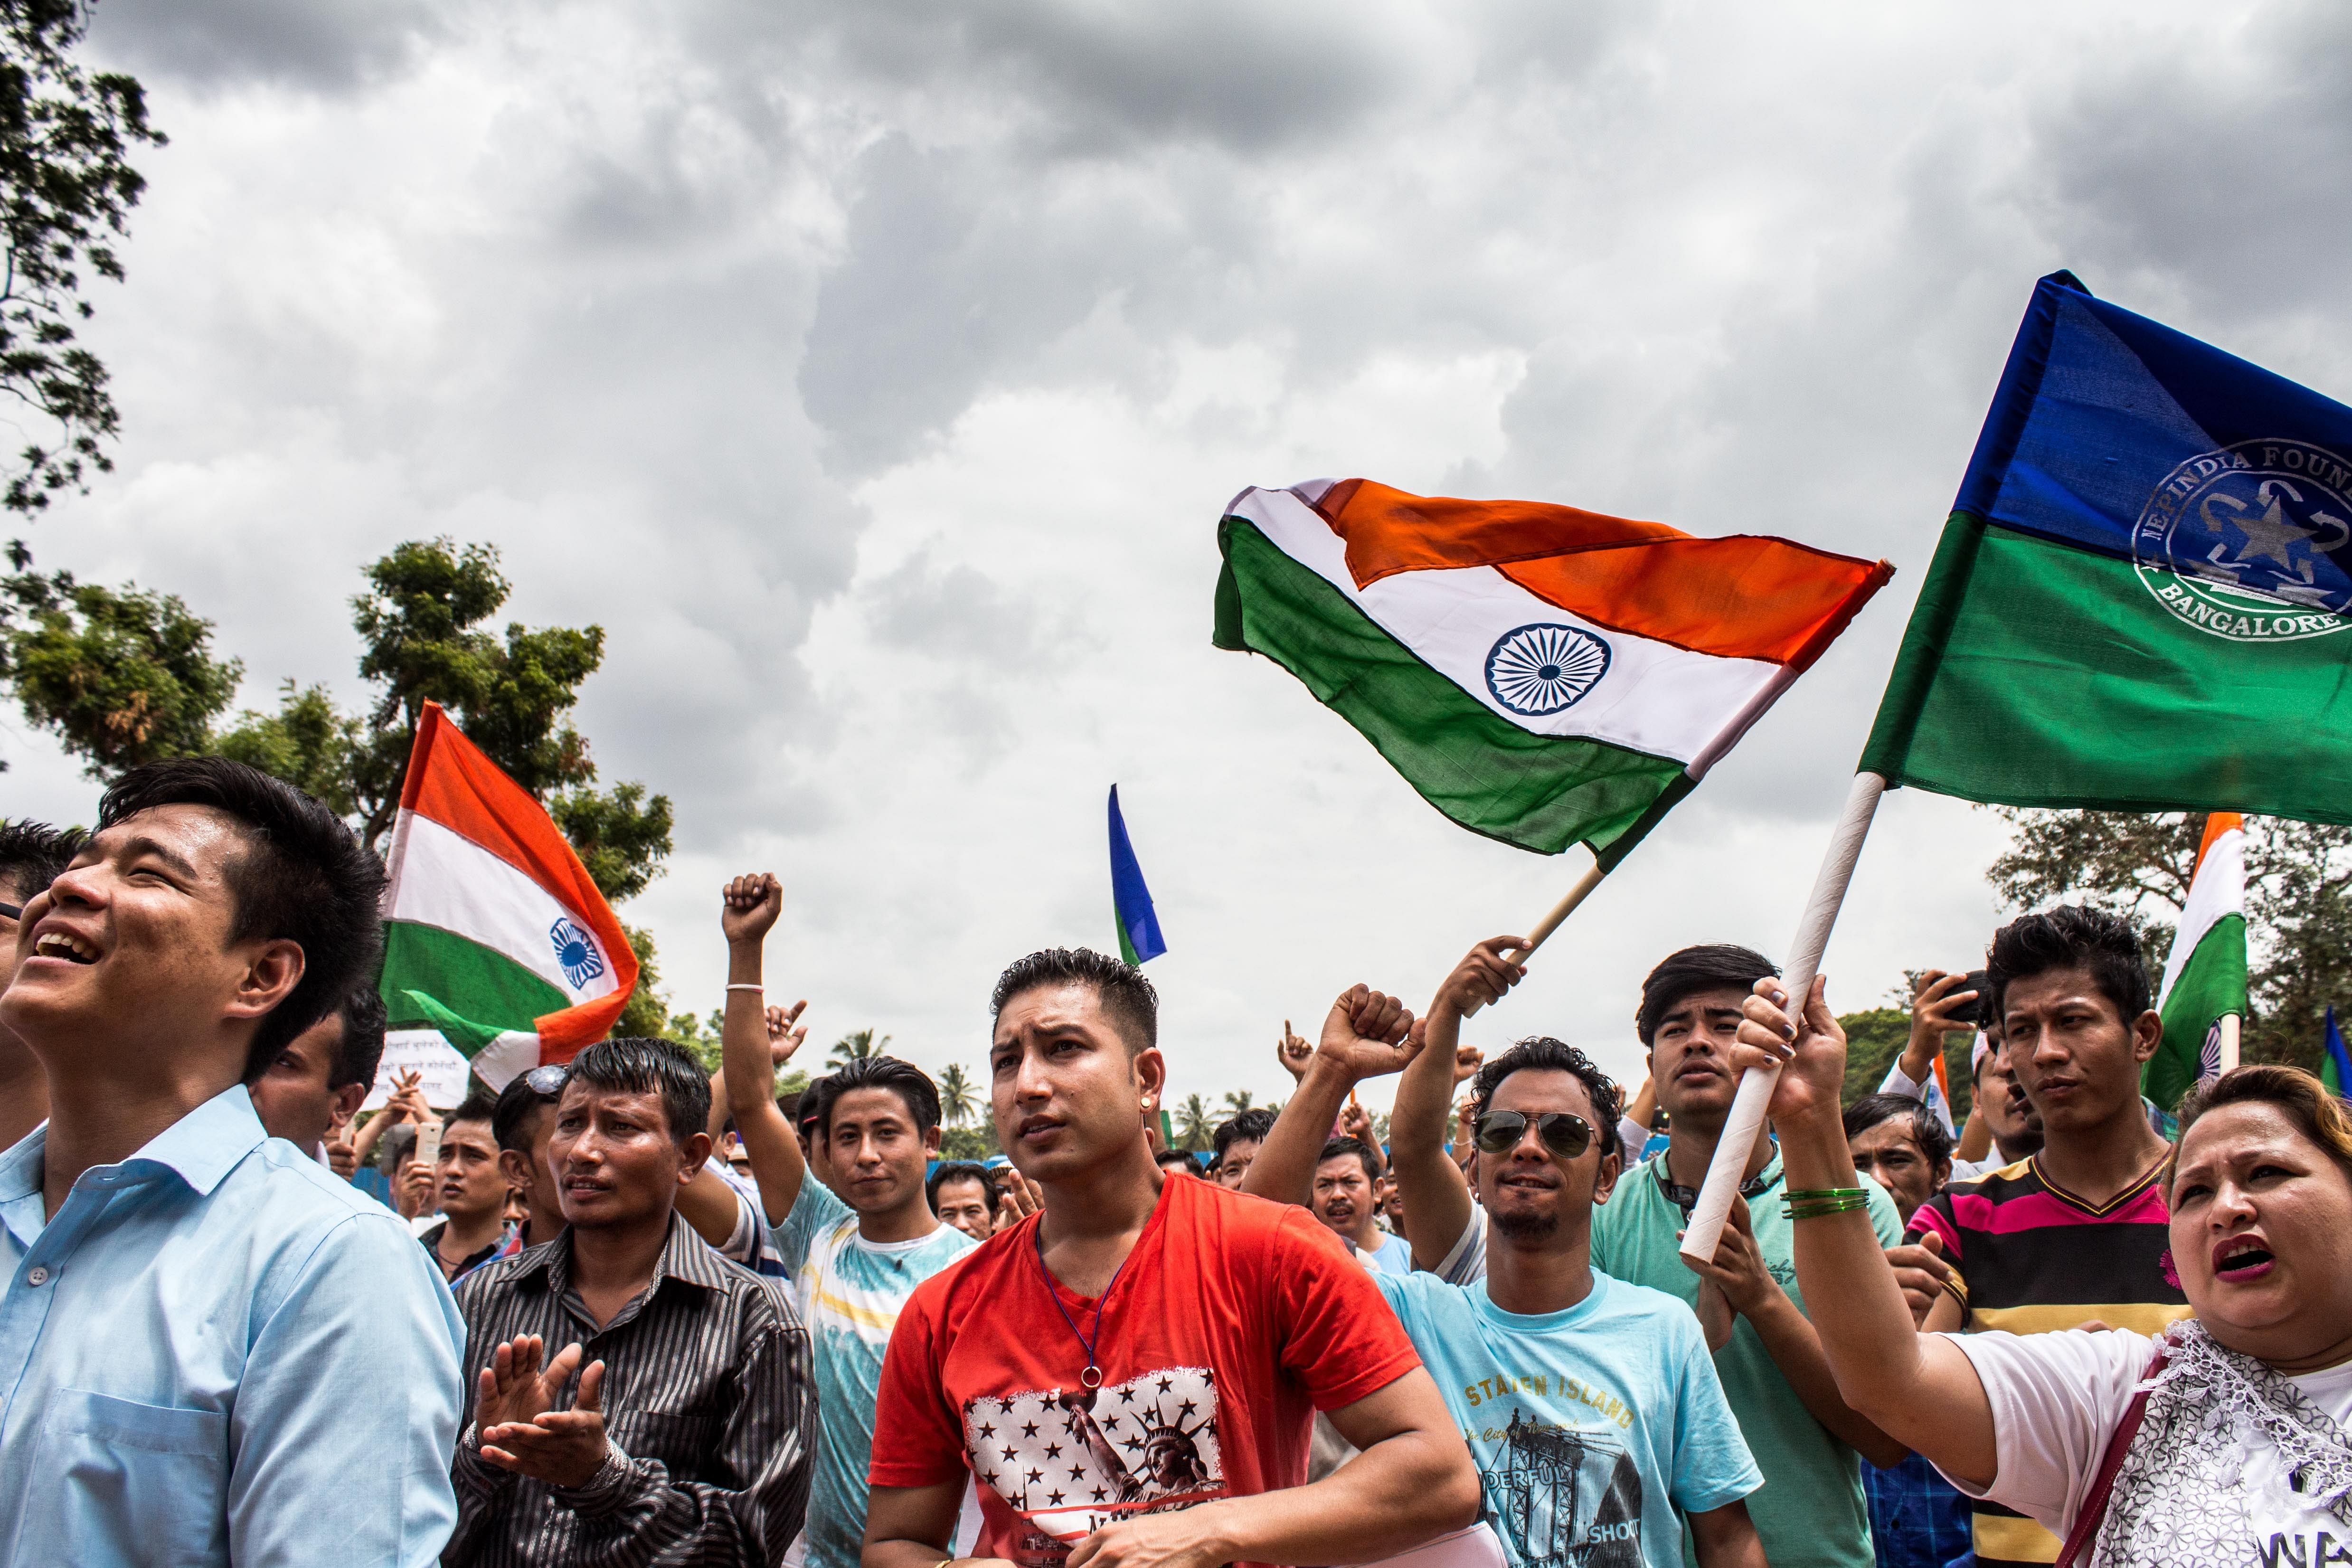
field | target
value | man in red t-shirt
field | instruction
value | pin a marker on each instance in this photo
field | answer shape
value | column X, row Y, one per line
column 1131, row 1374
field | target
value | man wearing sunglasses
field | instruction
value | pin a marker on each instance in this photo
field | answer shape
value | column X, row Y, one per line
column 1591, row 1406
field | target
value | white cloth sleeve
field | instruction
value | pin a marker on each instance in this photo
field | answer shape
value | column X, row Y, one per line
column 1631, row 1135
column 1902, row 1083
column 2056, row 1399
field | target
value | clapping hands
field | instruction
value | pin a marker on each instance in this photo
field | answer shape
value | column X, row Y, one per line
column 517, row 1423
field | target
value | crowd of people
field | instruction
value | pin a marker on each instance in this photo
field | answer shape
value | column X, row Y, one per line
column 625, row 1310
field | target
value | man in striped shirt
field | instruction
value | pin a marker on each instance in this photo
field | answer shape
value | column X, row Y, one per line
column 687, row 1436
column 2075, row 1235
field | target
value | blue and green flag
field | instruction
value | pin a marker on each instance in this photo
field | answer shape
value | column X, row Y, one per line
column 2335, row 1067
column 1139, row 926
column 2139, row 602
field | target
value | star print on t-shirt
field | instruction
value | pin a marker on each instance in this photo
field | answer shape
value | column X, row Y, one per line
column 1073, row 1460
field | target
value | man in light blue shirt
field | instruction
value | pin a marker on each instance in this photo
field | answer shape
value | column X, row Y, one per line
column 854, row 1257
column 209, row 1346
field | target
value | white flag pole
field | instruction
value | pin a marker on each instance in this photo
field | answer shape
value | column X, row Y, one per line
column 1705, row 1228
column 2230, row 1025
column 1550, row 922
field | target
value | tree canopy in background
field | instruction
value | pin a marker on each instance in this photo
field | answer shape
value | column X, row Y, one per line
column 122, row 677
column 67, row 188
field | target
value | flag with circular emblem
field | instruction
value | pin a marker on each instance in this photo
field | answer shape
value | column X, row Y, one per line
column 1542, row 675
column 495, row 935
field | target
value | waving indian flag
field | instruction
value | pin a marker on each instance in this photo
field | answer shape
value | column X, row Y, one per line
column 2204, row 991
column 1541, row 674
column 495, row 935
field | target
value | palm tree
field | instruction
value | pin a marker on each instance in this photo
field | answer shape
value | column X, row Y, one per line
column 957, row 1099
column 855, row 1045
column 1193, row 1127
column 1237, row 1101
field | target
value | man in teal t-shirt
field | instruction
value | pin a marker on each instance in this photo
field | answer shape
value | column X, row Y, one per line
column 1810, row 1512
column 855, row 1257
column 1591, row 1406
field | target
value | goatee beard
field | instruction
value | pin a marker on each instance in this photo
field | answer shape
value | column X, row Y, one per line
column 1524, row 1227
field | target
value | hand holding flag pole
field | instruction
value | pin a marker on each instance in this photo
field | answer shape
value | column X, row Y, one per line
column 1705, row 1228
column 1550, row 923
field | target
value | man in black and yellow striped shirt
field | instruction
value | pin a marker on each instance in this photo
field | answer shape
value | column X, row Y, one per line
column 2075, row 1236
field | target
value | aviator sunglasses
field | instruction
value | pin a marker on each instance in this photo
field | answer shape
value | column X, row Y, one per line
column 1565, row 1135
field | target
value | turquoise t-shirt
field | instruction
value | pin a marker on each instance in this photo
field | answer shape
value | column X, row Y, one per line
column 849, row 1291
column 1811, row 1511
column 1592, row 1427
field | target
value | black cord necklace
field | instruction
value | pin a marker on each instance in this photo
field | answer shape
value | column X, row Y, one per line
column 1092, row 1376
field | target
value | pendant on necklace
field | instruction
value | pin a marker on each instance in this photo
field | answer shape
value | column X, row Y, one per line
column 1092, row 1376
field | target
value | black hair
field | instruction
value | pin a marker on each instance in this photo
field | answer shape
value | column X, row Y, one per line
column 480, row 1105
column 961, row 1170
column 910, row 1083
column 633, row 1063
column 1339, row 1147
column 1927, row 1128
column 304, row 878
column 361, row 1050
column 514, row 1120
column 2071, row 937
column 1716, row 966
column 1248, row 1127
column 1178, row 1156
column 33, row 853
column 1126, row 996
column 1541, row 1053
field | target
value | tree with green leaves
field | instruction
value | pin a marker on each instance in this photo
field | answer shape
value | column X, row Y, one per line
column 855, row 1046
column 957, row 1099
column 1195, row 1125
column 1237, row 1101
column 2298, row 903
column 67, row 188
column 122, row 677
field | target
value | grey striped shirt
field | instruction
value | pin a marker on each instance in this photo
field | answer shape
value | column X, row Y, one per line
column 709, row 1407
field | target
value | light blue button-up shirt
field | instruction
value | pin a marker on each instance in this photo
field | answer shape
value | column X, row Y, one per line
column 216, row 1352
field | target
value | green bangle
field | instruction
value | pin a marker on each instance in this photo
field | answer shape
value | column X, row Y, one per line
column 1809, row 1194
column 1821, row 1208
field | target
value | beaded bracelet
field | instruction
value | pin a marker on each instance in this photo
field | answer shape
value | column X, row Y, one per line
column 1814, row 1203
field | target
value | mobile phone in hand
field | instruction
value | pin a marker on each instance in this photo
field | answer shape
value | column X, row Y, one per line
column 1971, row 1012
column 428, row 1144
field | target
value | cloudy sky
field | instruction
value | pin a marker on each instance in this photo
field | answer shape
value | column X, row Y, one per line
column 875, row 375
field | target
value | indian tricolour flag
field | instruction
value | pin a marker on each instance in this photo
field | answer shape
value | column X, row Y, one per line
column 1542, row 675
column 2205, row 978
column 495, row 935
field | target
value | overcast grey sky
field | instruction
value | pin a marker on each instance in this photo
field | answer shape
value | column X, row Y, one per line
column 875, row 375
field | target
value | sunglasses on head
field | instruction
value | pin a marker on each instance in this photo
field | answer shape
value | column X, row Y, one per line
column 547, row 1080
column 1565, row 1135
column 12, row 912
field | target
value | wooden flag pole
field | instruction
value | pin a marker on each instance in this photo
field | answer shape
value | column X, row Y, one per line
column 1550, row 922
column 2229, row 1025
column 1704, row 1226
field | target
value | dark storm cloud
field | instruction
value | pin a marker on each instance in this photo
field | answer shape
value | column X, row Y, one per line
column 307, row 44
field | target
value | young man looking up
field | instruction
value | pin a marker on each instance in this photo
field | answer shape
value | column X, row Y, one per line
column 472, row 1189
column 687, row 1438
column 1347, row 1198
column 963, row 1196
column 1902, row 1143
column 208, row 1342
column 1548, row 1365
column 31, row 853
column 1237, row 1144
column 312, row 1087
column 856, row 1257
column 1130, row 1374
column 1812, row 1513
column 2078, row 1233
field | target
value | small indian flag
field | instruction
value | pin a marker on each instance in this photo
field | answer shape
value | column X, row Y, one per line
column 495, row 935
column 1542, row 675
column 2205, row 978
